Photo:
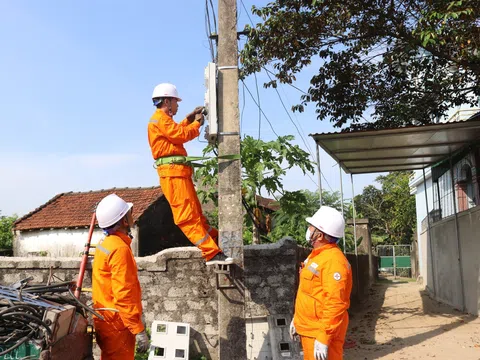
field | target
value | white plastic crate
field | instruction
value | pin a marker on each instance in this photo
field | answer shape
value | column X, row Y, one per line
column 169, row 341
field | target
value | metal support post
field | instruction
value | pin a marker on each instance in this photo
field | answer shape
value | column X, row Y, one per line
column 429, row 232
column 355, row 237
column 354, row 216
column 343, row 211
column 319, row 174
column 457, row 233
column 394, row 263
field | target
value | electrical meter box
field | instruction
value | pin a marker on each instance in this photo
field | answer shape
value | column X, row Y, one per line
column 211, row 102
column 169, row 341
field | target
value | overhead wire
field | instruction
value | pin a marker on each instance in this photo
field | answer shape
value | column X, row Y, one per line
column 259, row 107
column 208, row 29
column 291, row 119
column 243, row 107
column 283, row 104
column 263, row 113
column 299, row 133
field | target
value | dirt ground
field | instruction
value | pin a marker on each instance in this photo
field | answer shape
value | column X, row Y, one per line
column 400, row 321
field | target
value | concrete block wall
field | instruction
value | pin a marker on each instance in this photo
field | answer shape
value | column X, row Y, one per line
column 177, row 286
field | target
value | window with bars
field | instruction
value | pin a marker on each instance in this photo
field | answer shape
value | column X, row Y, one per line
column 465, row 193
column 443, row 197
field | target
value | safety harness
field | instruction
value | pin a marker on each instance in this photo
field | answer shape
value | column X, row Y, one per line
column 191, row 160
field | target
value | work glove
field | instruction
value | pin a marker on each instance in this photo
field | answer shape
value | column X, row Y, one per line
column 293, row 331
column 200, row 118
column 143, row 343
column 320, row 351
column 197, row 110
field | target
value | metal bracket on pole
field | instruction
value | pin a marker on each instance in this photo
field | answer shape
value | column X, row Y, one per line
column 224, row 276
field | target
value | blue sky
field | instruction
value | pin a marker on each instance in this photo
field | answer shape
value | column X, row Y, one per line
column 75, row 95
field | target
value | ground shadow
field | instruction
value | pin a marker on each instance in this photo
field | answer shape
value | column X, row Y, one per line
column 365, row 317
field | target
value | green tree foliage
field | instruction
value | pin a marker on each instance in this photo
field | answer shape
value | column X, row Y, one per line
column 6, row 233
column 391, row 209
column 295, row 206
column 264, row 164
column 408, row 61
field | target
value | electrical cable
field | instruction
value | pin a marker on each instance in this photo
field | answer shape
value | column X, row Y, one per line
column 291, row 119
column 248, row 14
column 259, row 107
column 208, row 30
column 265, row 116
column 23, row 310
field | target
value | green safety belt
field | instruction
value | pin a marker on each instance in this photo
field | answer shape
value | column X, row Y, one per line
column 189, row 160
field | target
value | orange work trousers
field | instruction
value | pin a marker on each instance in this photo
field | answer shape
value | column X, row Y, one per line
column 335, row 349
column 115, row 344
column 187, row 214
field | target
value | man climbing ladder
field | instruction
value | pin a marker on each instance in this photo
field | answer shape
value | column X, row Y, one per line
column 166, row 139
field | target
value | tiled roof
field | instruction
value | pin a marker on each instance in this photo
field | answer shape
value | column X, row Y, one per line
column 267, row 203
column 71, row 210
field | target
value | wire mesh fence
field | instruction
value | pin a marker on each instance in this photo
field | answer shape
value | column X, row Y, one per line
column 395, row 260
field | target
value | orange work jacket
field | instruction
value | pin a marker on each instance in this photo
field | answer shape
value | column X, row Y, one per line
column 323, row 295
column 166, row 138
column 115, row 283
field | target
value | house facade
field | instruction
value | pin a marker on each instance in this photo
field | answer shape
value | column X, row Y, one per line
column 419, row 187
column 59, row 228
column 448, row 232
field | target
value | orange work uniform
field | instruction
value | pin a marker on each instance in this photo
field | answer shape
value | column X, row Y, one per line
column 323, row 299
column 166, row 138
column 115, row 285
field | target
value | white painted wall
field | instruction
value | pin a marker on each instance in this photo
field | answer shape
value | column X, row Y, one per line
column 56, row 242
column 418, row 189
column 60, row 242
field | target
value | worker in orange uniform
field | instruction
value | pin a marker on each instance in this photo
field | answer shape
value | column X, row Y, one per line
column 323, row 297
column 166, row 139
column 115, row 285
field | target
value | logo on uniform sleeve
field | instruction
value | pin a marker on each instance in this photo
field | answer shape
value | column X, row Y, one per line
column 337, row 276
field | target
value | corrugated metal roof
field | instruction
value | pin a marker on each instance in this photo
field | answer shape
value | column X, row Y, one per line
column 407, row 148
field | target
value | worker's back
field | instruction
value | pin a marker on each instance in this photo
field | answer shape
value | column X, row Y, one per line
column 115, row 282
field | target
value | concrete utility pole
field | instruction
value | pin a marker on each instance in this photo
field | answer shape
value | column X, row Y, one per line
column 231, row 298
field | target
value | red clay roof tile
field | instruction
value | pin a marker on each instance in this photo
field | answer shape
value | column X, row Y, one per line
column 70, row 210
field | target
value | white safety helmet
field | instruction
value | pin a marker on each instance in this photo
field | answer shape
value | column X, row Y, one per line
column 329, row 221
column 111, row 210
column 165, row 90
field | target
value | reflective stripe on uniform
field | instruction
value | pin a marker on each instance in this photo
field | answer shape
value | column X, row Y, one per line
column 313, row 270
column 202, row 240
column 102, row 249
column 154, row 121
column 209, row 229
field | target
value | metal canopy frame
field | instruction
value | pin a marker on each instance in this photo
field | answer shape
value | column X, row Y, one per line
column 401, row 149
column 408, row 148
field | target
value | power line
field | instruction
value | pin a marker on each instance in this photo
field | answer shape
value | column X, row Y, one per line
column 265, row 116
column 208, row 30
column 259, row 107
column 291, row 119
column 293, row 86
column 243, row 108
column 248, row 14
column 299, row 133
column 214, row 17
